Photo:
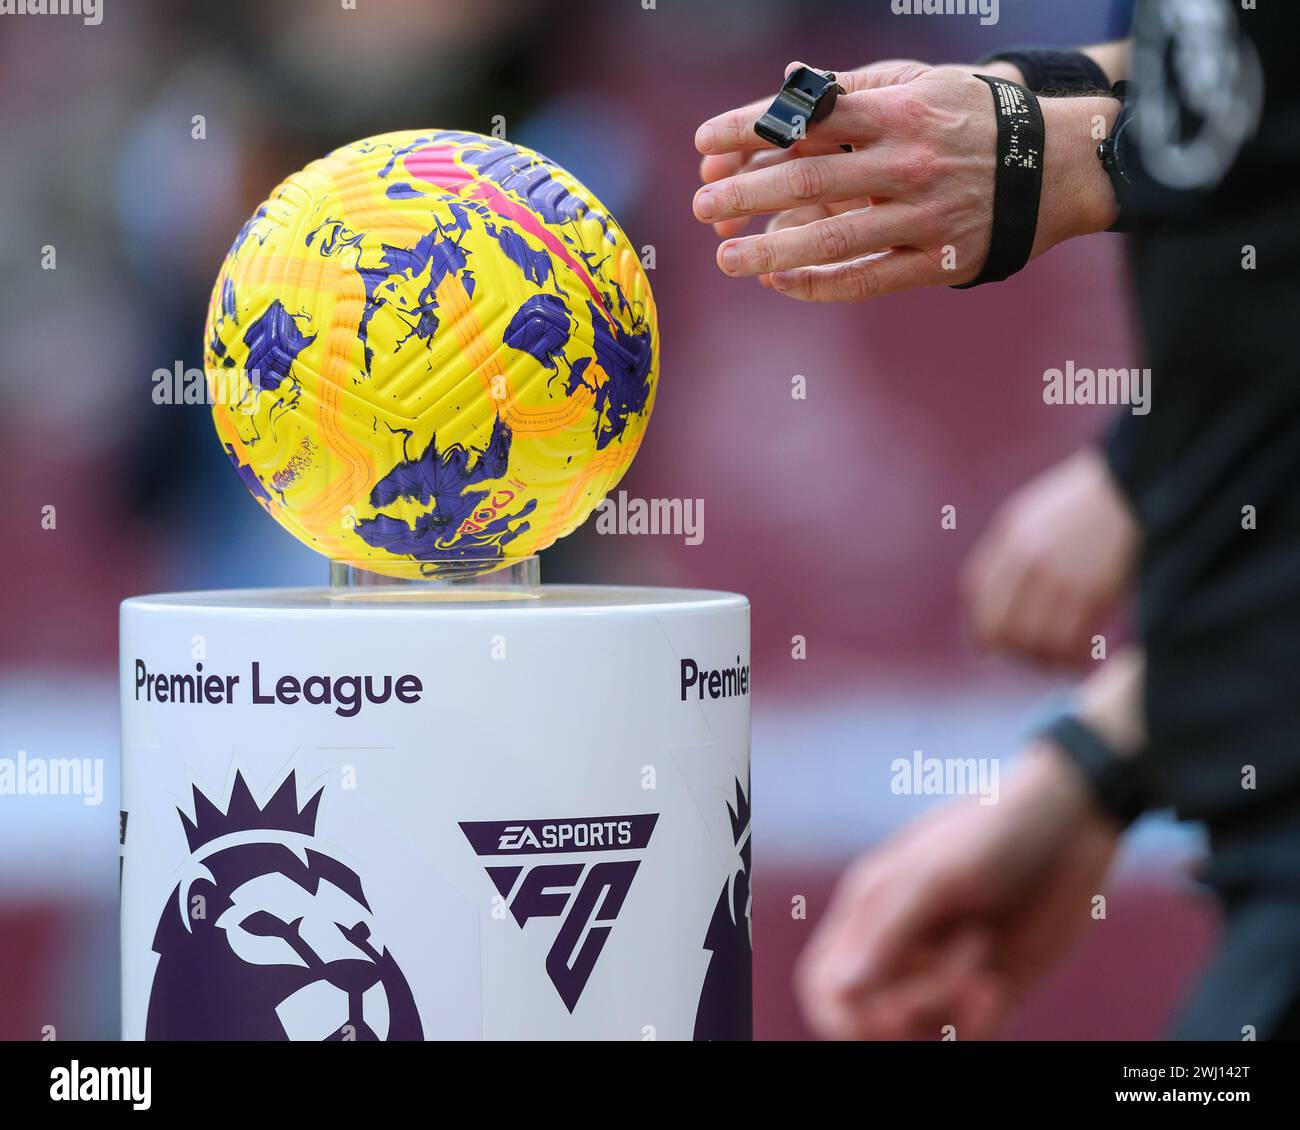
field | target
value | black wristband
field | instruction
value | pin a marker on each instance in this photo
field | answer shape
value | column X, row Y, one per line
column 1050, row 71
column 1119, row 784
column 1018, row 180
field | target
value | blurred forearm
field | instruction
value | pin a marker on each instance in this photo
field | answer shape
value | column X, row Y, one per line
column 1113, row 58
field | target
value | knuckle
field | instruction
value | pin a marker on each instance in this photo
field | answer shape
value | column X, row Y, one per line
column 901, row 108
column 915, row 167
column 831, row 240
column 722, row 133
column 764, row 256
column 857, row 283
column 805, row 179
column 733, row 131
column 730, row 197
column 929, row 219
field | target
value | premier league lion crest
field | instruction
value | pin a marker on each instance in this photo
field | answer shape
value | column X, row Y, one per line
column 269, row 938
column 726, row 1001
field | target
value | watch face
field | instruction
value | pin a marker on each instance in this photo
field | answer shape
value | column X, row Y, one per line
column 1115, row 152
column 1119, row 155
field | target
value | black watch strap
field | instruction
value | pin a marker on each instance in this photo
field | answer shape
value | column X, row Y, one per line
column 1048, row 70
column 1119, row 784
column 1116, row 158
column 1018, row 180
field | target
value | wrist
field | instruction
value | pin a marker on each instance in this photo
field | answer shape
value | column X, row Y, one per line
column 1111, row 702
column 1000, row 68
column 1100, row 739
column 1078, row 197
column 1054, row 783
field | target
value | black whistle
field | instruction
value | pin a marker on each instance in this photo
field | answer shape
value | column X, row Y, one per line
column 807, row 96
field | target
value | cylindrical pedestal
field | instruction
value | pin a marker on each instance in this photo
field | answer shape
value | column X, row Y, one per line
column 437, row 817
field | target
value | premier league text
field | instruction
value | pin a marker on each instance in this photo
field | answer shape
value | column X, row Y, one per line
column 724, row 682
column 347, row 694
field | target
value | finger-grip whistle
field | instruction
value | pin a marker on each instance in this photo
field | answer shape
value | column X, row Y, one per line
column 807, row 97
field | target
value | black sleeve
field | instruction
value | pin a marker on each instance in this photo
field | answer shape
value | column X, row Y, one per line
column 1121, row 444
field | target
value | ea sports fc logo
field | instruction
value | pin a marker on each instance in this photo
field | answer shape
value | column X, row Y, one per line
column 586, row 897
column 267, row 937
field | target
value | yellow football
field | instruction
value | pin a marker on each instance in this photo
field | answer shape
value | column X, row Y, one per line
column 431, row 347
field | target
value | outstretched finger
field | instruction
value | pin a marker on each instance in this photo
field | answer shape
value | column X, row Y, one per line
column 791, row 184
column 859, row 279
column 828, row 240
column 716, row 166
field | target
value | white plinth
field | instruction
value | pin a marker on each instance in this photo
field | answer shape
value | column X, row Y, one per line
column 508, row 818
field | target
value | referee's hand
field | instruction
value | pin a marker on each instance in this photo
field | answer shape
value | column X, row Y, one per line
column 944, row 925
column 1052, row 565
column 911, row 205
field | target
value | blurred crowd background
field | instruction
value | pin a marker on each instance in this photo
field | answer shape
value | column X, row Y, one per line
column 825, row 511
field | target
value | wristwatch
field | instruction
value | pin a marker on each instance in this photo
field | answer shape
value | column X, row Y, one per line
column 1120, row 786
column 1115, row 154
